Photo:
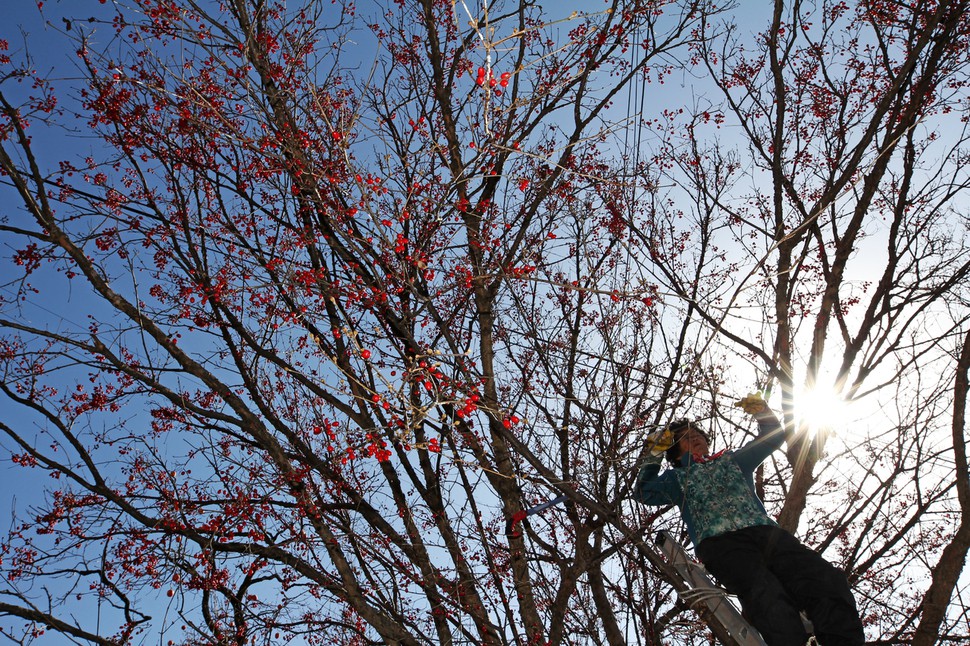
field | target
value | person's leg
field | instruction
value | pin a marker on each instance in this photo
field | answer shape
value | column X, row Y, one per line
column 816, row 586
column 737, row 562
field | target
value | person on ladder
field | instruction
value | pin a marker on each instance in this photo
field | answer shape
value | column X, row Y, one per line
column 773, row 574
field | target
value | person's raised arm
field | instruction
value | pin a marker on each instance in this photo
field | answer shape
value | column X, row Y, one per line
column 652, row 488
column 771, row 433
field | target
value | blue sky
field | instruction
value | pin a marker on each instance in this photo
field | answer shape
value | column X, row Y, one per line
column 49, row 49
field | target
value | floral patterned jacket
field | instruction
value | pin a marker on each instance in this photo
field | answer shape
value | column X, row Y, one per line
column 717, row 496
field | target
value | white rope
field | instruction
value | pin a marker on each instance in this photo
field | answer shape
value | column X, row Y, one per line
column 703, row 595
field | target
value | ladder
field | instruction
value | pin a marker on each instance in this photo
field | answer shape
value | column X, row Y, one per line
column 700, row 589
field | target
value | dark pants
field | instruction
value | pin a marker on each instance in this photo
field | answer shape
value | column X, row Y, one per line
column 775, row 576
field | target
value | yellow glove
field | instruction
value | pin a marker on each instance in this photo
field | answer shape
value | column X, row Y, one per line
column 660, row 441
column 752, row 404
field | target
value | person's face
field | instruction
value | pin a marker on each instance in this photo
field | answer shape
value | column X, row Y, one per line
column 694, row 443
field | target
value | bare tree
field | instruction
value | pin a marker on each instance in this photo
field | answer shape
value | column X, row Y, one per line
column 300, row 404
column 364, row 285
column 819, row 214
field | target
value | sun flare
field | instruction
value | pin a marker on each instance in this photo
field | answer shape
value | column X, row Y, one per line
column 821, row 409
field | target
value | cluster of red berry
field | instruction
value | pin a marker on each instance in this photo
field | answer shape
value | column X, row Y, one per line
column 486, row 76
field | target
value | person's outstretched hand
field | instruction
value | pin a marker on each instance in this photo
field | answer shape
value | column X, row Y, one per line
column 752, row 403
column 660, row 441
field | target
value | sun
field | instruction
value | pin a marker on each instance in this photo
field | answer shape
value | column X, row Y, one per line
column 821, row 409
